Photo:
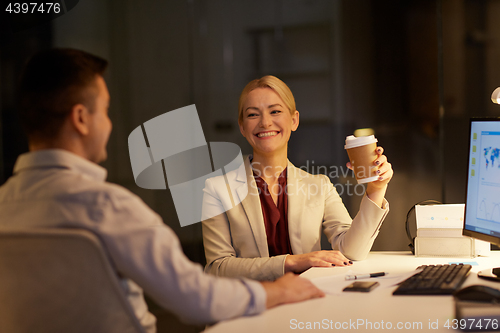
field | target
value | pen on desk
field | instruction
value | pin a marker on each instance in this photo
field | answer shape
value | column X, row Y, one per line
column 365, row 276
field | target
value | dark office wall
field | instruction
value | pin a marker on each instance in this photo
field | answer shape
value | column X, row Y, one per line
column 15, row 49
column 471, row 74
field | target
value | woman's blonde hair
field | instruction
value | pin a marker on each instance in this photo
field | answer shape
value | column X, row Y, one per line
column 271, row 82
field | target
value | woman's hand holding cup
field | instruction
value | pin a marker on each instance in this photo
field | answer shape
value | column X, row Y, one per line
column 370, row 166
column 384, row 170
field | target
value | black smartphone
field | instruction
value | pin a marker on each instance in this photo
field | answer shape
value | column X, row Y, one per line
column 365, row 286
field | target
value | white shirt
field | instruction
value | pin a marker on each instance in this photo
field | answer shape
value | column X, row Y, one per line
column 58, row 189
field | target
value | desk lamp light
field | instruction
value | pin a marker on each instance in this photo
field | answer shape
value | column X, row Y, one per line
column 495, row 96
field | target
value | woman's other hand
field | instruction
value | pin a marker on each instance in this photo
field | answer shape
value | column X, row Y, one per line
column 298, row 263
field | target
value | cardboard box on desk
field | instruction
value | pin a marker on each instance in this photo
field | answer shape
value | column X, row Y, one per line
column 439, row 233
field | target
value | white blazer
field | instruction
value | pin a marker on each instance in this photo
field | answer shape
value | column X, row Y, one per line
column 235, row 237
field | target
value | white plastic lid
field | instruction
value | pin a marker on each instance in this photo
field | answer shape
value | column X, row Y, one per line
column 352, row 142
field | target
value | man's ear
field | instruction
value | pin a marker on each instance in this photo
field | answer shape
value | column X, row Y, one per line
column 80, row 118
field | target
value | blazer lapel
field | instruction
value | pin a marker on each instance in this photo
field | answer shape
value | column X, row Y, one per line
column 296, row 200
column 251, row 205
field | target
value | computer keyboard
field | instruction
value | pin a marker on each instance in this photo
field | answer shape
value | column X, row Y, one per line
column 434, row 280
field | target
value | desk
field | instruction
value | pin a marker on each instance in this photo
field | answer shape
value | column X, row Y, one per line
column 378, row 307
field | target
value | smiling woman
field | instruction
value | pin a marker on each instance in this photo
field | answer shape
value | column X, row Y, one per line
column 277, row 226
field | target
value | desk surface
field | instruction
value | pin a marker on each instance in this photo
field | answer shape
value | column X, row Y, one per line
column 376, row 311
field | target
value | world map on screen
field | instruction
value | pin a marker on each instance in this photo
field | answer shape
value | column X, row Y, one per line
column 490, row 155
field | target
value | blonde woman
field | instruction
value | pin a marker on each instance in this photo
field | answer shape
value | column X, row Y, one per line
column 277, row 226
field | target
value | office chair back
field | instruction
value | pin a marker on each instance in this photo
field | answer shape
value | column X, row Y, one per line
column 60, row 280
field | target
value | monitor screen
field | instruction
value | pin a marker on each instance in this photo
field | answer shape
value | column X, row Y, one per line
column 482, row 203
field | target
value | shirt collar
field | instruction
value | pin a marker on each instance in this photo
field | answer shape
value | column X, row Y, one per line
column 59, row 158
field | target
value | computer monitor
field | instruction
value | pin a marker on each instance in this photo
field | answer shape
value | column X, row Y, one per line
column 482, row 202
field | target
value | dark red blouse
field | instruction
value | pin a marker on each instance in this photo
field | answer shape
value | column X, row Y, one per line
column 275, row 216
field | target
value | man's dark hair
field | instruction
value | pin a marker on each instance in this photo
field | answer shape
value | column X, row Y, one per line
column 53, row 82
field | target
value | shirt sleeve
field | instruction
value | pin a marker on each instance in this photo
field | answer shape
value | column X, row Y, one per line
column 148, row 252
column 353, row 237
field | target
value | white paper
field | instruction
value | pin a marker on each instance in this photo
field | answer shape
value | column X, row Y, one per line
column 334, row 284
column 440, row 216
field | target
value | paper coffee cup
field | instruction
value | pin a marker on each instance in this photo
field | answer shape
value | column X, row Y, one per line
column 361, row 151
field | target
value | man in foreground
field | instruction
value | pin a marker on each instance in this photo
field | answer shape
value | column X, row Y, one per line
column 63, row 104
